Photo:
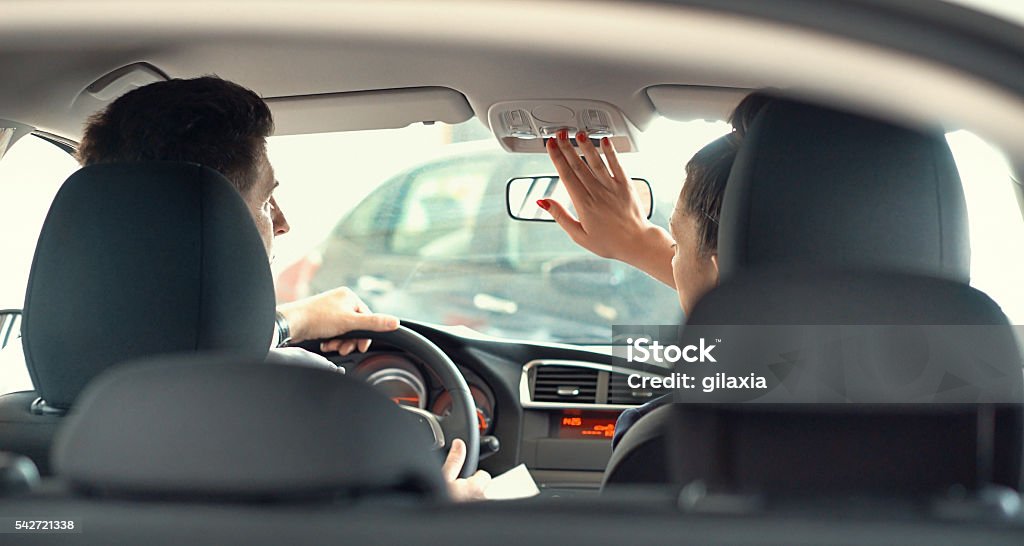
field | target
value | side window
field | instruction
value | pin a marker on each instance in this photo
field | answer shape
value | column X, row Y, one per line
column 440, row 209
column 30, row 174
column 10, row 326
column 997, row 264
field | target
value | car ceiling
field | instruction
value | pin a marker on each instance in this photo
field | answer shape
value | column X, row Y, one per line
column 287, row 66
column 488, row 51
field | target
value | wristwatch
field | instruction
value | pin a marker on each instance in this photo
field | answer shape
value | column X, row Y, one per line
column 284, row 332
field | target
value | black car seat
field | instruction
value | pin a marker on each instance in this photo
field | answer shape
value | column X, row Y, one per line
column 932, row 366
column 134, row 260
column 831, row 218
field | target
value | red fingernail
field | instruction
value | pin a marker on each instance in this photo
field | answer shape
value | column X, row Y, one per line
column 550, row 143
column 563, row 134
column 543, row 204
column 606, row 142
column 581, row 136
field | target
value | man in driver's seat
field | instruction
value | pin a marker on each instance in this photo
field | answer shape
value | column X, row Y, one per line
column 224, row 126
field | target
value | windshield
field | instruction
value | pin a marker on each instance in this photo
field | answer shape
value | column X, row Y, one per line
column 414, row 220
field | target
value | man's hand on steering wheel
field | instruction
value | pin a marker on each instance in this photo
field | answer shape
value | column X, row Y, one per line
column 339, row 312
column 332, row 314
column 463, row 489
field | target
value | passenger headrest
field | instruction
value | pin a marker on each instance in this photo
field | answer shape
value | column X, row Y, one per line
column 826, row 189
column 142, row 259
column 858, row 337
column 782, row 295
column 221, row 427
column 932, row 368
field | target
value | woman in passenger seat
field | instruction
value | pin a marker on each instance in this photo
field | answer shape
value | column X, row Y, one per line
column 611, row 223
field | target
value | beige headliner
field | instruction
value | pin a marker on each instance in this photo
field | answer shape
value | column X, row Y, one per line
column 489, row 51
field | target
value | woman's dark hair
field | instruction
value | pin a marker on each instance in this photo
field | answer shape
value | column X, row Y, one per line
column 207, row 120
column 745, row 112
column 708, row 171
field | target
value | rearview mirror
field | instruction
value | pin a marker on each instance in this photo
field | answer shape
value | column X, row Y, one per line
column 522, row 194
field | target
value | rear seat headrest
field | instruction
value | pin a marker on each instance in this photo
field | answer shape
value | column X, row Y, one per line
column 18, row 474
column 820, row 188
column 223, row 427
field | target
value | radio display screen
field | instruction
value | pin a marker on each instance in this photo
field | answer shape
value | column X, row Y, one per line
column 586, row 425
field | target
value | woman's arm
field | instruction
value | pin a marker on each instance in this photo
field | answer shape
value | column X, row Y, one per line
column 611, row 223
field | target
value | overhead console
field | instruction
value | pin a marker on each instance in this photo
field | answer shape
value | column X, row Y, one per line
column 524, row 126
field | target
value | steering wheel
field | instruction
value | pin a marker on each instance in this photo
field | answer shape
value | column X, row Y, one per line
column 462, row 421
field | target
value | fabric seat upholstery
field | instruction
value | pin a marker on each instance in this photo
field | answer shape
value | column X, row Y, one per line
column 833, row 218
column 134, row 260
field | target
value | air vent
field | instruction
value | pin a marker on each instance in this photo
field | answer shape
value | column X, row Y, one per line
column 619, row 391
column 569, row 384
column 580, row 384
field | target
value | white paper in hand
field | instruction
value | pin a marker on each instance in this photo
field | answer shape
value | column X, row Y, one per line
column 514, row 484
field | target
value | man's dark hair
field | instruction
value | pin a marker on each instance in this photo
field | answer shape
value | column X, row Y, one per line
column 708, row 171
column 207, row 120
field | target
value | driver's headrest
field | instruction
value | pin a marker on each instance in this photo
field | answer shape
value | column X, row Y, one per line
column 142, row 259
column 216, row 427
column 818, row 188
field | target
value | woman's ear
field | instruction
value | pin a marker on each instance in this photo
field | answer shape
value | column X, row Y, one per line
column 714, row 266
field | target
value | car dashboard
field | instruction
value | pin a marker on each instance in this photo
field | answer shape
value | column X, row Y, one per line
column 552, row 407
